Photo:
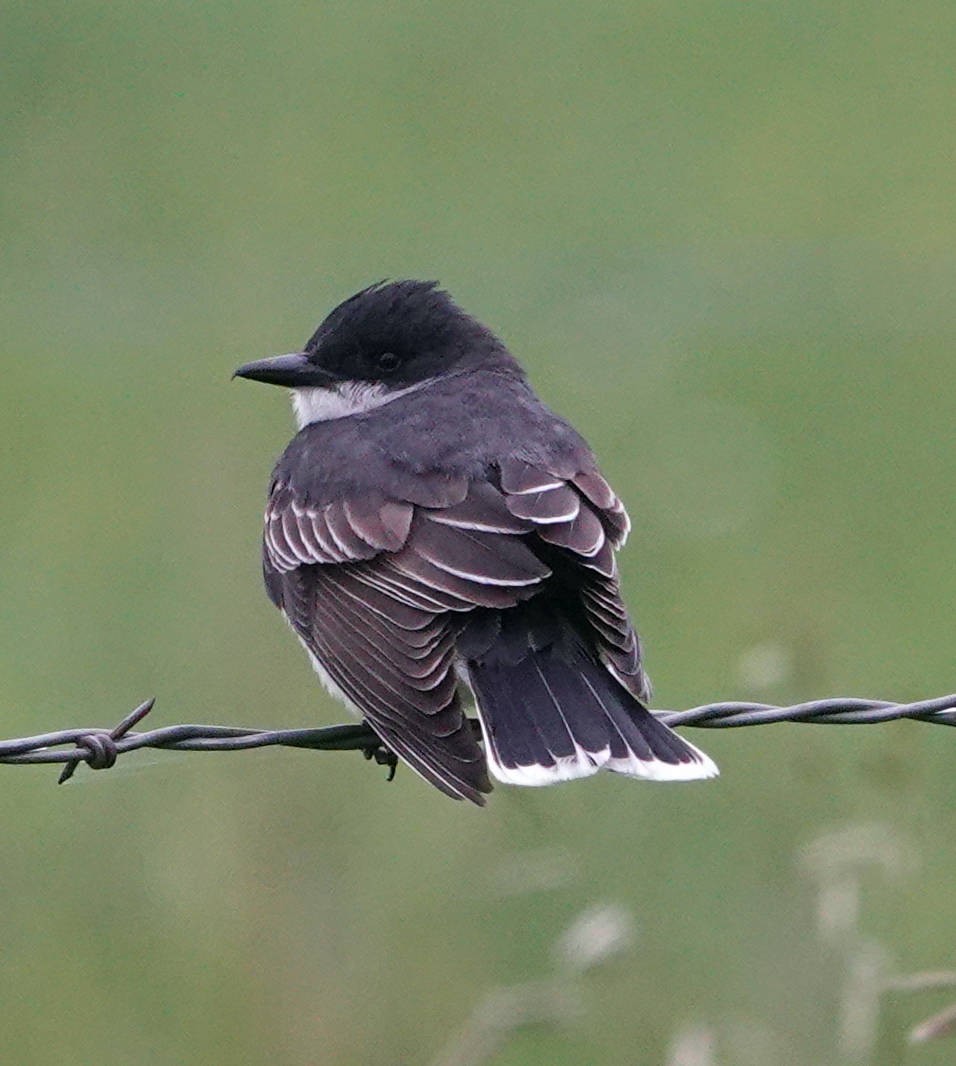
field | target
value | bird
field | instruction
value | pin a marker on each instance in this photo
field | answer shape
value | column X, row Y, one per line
column 434, row 531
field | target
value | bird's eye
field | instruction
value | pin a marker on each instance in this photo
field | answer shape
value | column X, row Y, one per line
column 388, row 361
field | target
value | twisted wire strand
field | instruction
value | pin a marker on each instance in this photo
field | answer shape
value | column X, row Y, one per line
column 99, row 748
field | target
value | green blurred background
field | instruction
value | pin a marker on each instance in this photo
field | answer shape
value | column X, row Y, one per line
column 720, row 237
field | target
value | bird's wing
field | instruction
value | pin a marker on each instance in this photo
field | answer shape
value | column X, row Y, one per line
column 579, row 513
column 376, row 589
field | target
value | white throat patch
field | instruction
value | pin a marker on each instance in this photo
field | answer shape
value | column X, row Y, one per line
column 343, row 399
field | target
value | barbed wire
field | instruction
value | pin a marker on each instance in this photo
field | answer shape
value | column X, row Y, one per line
column 99, row 748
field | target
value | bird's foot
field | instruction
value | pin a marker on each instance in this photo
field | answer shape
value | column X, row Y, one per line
column 384, row 757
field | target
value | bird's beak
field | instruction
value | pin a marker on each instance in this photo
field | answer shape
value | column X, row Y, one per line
column 294, row 371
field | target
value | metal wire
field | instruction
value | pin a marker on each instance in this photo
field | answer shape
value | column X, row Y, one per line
column 99, row 748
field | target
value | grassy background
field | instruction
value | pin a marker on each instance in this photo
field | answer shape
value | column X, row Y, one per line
column 720, row 237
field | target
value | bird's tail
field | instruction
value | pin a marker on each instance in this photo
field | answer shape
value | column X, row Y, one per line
column 554, row 713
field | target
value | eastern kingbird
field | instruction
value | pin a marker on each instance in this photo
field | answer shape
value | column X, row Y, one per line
column 434, row 527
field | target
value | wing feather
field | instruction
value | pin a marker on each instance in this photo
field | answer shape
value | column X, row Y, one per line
column 422, row 664
column 411, row 589
column 415, row 624
column 458, row 591
column 596, row 489
column 558, row 504
column 299, row 534
column 476, row 557
column 519, row 477
column 346, row 537
column 484, row 509
column 403, row 685
column 584, row 535
column 384, row 526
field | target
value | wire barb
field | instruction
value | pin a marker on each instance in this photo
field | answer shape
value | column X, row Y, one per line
column 100, row 748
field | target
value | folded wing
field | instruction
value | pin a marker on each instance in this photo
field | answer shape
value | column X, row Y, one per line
column 377, row 590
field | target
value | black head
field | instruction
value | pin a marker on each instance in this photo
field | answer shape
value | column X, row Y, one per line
column 393, row 334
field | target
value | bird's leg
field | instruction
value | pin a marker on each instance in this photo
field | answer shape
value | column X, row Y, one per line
column 384, row 757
